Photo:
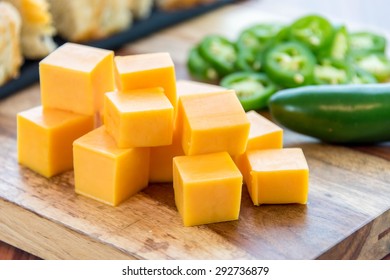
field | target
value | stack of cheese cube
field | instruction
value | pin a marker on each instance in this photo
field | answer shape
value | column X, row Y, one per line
column 156, row 129
column 273, row 174
column 73, row 82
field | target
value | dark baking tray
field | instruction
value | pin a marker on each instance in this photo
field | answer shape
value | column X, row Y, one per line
column 158, row 20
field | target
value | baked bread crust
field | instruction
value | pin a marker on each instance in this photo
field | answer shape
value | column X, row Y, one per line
column 82, row 20
column 37, row 28
column 140, row 8
column 11, row 57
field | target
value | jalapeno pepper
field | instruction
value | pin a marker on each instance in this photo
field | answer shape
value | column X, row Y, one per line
column 333, row 72
column 219, row 52
column 290, row 64
column 252, row 89
column 247, row 47
column 314, row 31
column 367, row 42
column 375, row 63
column 199, row 68
column 348, row 114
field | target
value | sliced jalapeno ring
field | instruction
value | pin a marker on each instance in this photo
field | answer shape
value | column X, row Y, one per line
column 247, row 41
column 220, row 52
column 256, row 37
column 378, row 64
column 314, row 31
column 332, row 72
column 252, row 89
column 290, row 64
column 367, row 42
column 341, row 44
column 246, row 61
column 265, row 31
column 199, row 68
column 339, row 47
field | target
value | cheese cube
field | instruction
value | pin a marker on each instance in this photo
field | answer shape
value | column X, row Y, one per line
column 263, row 133
column 276, row 176
column 139, row 118
column 213, row 122
column 207, row 188
column 184, row 87
column 76, row 77
column 161, row 157
column 105, row 172
column 45, row 138
column 161, row 160
column 146, row 71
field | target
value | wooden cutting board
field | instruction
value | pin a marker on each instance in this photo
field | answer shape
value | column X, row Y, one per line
column 347, row 217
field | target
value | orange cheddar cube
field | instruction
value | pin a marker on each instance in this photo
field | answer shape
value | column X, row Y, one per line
column 45, row 138
column 184, row 87
column 276, row 176
column 139, row 118
column 263, row 133
column 76, row 77
column 161, row 160
column 146, row 71
column 207, row 188
column 213, row 122
column 105, row 172
column 161, row 157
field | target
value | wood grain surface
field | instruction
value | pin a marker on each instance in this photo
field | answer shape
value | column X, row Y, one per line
column 347, row 217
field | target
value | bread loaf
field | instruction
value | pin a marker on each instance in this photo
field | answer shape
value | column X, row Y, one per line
column 169, row 5
column 140, row 8
column 82, row 20
column 37, row 28
column 10, row 50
